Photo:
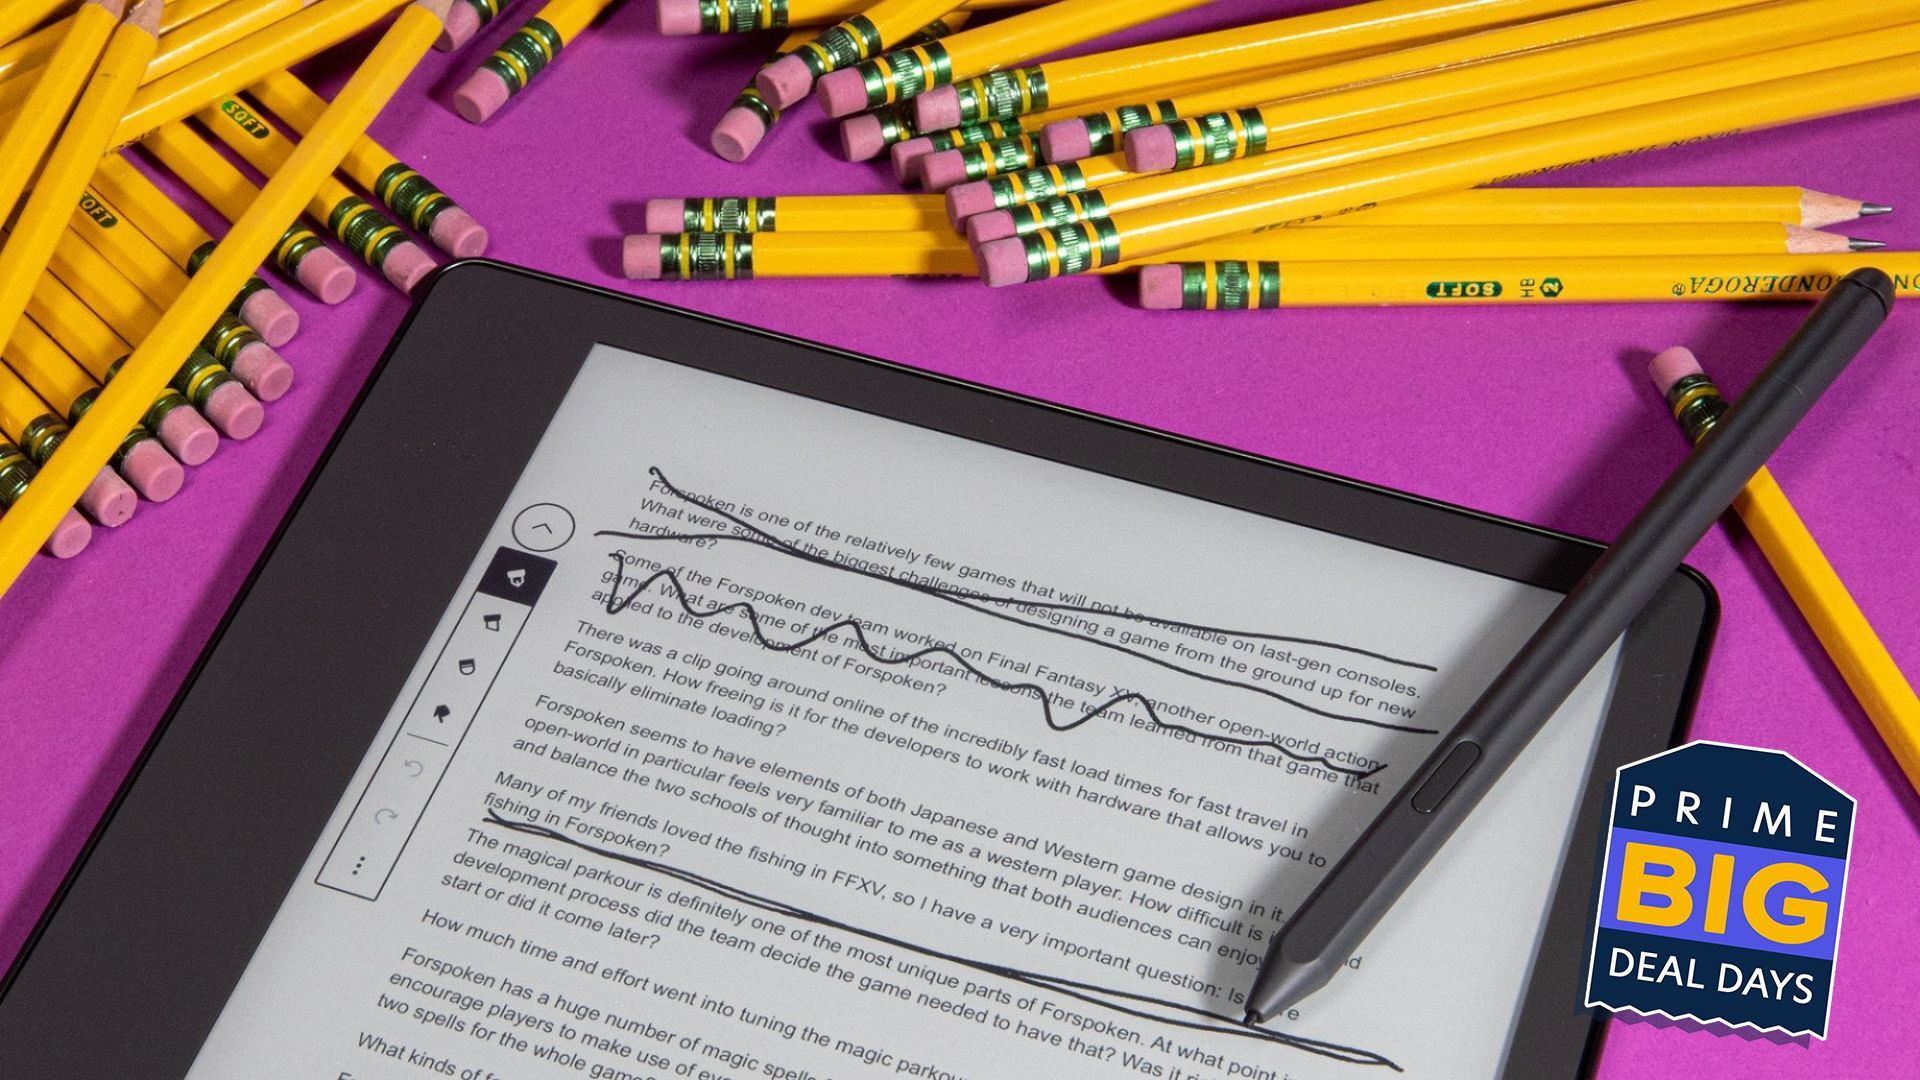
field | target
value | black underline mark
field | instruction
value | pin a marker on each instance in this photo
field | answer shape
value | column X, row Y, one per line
column 1212, row 1023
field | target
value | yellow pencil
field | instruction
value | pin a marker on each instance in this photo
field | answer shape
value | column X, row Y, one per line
column 32, row 426
column 353, row 221
column 68, row 389
column 1777, row 529
column 276, row 47
column 33, row 518
column 200, row 38
column 1087, row 245
column 157, row 217
column 300, row 254
column 752, row 16
column 785, row 82
column 44, row 217
column 523, row 56
column 1385, row 28
column 397, row 185
column 17, row 17
column 1240, row 285
column 798, row 213
column 147, row 269
column 93, row 345
column 31, row 131
column 31, row 52
column 1134, row 191
column 1225, row 136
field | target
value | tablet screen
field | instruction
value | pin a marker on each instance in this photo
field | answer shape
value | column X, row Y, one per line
column 770, row 738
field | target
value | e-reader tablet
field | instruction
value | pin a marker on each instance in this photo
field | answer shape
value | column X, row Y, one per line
column 632, row 694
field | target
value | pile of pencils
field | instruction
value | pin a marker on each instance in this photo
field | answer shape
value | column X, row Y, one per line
column 135, row 341
column 1329, row 158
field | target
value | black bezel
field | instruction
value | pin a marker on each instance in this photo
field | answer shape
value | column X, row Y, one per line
column 128, row 969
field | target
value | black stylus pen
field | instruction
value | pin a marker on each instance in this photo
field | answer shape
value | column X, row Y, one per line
column 1336, row 917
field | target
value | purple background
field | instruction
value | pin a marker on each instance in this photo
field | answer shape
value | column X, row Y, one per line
column 1543, row 415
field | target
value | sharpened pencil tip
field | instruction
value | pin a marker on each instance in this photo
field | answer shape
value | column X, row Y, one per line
column 1253, row 1018
column 1856, row 244
column 1874, row 209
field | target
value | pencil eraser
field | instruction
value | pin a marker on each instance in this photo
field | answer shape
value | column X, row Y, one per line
column 937, row 110
column 270, row 316
column 943, row 169
column 905, row 155
column 737, row 134
column 842, row 92
column 666, row 215
column 458, row 234
column 1002, row 262
column 462, row 23
column 1672, row 365
column 327, row 276
column 679, row 17
column 152, row 471
column 785, row 82
column 480, row 96
column 990, row 226
column 264, row 373
column 406, row 266
column 108, row 500
column 862, row 137
column 234, row 411
column 1151, row 149
column 188, row 436
column 1066, row 140
column 1160, row 287
column 966, row 200
column 640, row 257
column 70, row 537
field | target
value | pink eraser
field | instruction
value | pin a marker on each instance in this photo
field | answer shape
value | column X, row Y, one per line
column 456, row 233
column 188, row 435
column 1151, row 149
column 966, row 200
column 234, row 411
column 327, row 276
column 666, row 215
column 262, row 371
column 70, row 537
column 679, row 17
column 108, row 500
column 785, row 82
column 640, row 257
column 1002, row 262
column 462, row 23
column 152, row 471
column 943, row 169
column 1066, row 140
column 905, row 155
column 862, row 137
column 1672, row 365
column 480, row 96
column 406, row 266
column 990, row 226
column 270, row 316
column 937, row 110
column 737, row 134
column 842, row 92
column 1160, row 287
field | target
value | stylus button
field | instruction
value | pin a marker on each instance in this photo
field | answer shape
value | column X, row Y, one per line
column 1435, row 790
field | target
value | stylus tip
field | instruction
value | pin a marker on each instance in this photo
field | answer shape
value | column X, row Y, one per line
column 1253, row 1018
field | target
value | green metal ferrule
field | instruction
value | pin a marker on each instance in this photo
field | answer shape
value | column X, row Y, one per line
column 1218, row 137
column 1105, row 128
column 707, row 256
column 525, row 54
column 999, row 157
column 199, row 257
column 253, row 285
column 968, row 134
column 200, row 376
column 296, row 244
column 404, row 191
column 1000, row 94
column 201, row 254
column 1036, row 184
column 1229, row 285
column 15, row 471
column 896, row 123
column 841, row 46
column 729, row 214
column 228, row 336
column 134, row 437
column 488, row 10
column 367, row 232
column 742, row 16
column 933, row 31
column 1071, row 249
column 750, row 100
column 905, row 73
column 1059, row 210
column 41, row 436
column 1696, row 403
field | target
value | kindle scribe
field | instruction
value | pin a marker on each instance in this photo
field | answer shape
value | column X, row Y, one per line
column 633, row 694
